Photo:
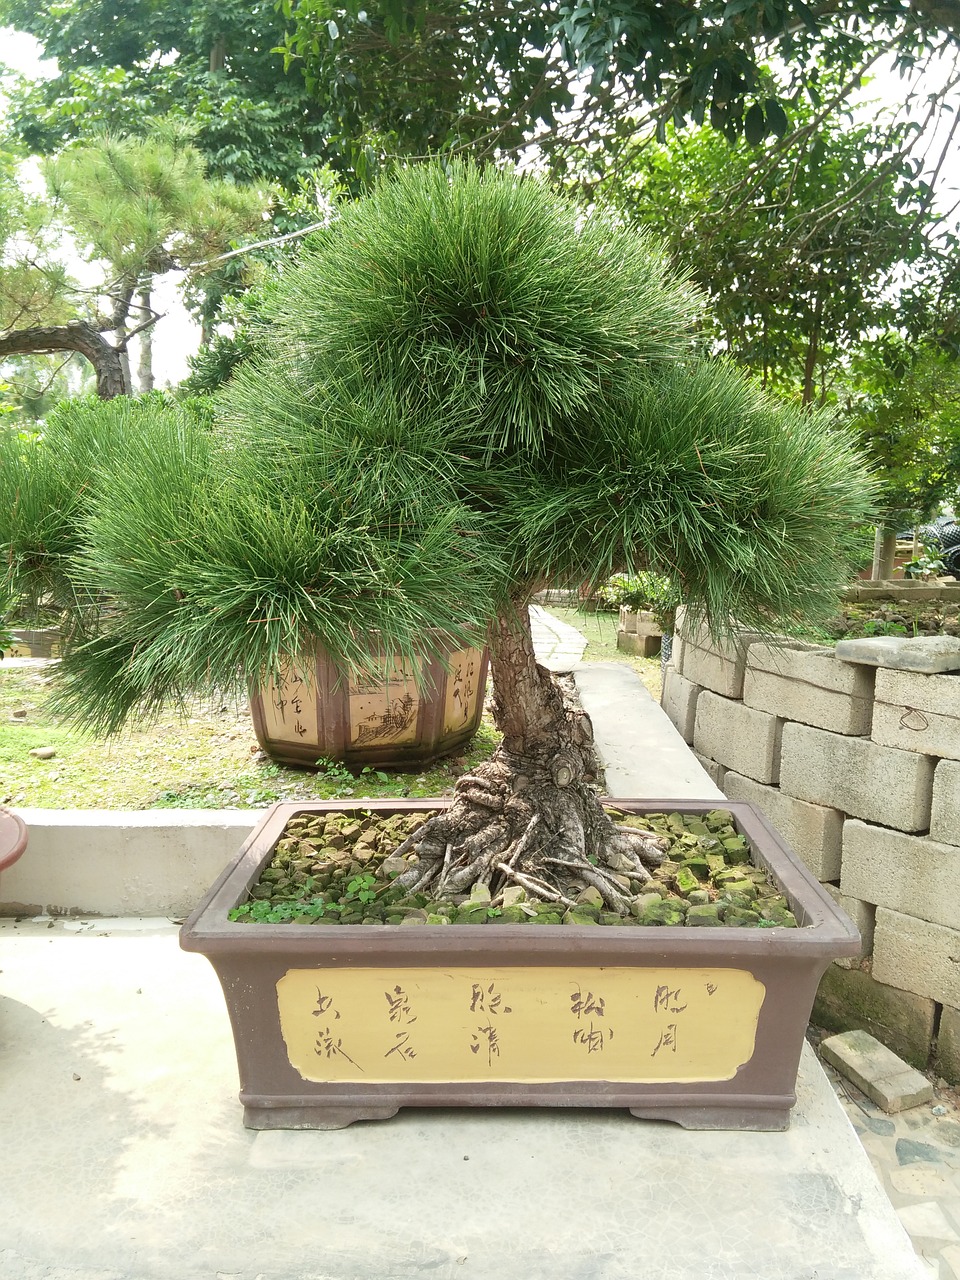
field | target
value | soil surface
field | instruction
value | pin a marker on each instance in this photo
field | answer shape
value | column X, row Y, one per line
column 343, row 868
column 893, row 618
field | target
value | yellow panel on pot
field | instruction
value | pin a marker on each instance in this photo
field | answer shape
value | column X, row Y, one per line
column 421, row 1025
column 460, row 702
column 290, row 707
column 385, row 710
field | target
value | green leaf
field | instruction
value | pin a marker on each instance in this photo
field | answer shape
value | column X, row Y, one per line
column 777, row 121
column 754, row 125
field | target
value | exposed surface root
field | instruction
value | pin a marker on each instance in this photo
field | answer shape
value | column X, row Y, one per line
column 529, row 819
column 554, row 842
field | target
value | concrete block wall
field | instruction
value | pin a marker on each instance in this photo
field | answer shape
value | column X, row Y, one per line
column 857, row 764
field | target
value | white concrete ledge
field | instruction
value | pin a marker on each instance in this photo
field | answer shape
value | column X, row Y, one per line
column 641, row 752
column 153, row 862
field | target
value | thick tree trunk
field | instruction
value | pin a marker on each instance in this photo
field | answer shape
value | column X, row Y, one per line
column 530, row 816
column 812, row 355
column 80, row 337
column 121, row 313
column 884, row 553
column 218, row 54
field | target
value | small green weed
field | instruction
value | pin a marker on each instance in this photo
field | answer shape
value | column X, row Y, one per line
column 878, row 627
column 362, row 888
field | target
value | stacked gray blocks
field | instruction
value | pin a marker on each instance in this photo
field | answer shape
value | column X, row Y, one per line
column 745, row 740
column 808, row 685
column 857, row 776
column 917, row 712
column 857, row 764
column 813, row 831
column 679, row 700
column 945, row 809
column 917, row 956
column 911, row 874
column 715, row 665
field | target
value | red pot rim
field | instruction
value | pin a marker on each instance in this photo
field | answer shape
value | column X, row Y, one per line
column 13, row 837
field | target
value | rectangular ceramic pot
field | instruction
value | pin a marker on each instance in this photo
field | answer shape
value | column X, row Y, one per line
column 336, row 1023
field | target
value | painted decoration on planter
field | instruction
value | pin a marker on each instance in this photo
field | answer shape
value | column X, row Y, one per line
column 461, row 700
column 290, row 708
column 384, row 709
column 519, row 1024
column 29, row 642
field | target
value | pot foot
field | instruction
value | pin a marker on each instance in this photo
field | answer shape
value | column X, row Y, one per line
column 306, row 1117
column 760, row 1119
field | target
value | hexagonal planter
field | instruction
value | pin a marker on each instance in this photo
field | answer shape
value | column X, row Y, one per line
column 34, row 642
column 418, row 713
column 348, row 1022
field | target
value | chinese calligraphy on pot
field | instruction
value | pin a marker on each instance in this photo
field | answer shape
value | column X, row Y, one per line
column 529, row 1024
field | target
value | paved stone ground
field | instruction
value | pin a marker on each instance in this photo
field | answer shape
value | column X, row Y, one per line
column 558, row 646
column 916, row 1155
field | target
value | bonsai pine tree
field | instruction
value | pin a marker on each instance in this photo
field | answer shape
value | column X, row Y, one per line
column 471, row 389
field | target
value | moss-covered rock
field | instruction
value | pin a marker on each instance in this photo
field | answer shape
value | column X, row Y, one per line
column 706, row 916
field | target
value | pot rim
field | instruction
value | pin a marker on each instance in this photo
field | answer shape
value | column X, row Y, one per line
column 824, row 931
column 13, row 837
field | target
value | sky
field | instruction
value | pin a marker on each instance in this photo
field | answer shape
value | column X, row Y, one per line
column 177, row 336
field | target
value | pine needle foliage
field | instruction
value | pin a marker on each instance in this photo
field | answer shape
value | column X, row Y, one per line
column 471, row 387
column 47, row 482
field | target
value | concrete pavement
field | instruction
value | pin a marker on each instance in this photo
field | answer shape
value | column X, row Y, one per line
column 124, row 1156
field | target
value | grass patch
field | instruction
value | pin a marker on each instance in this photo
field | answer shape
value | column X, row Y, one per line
column 208, row 760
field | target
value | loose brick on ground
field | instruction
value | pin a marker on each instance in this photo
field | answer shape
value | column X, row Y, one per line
column 889, row 1081
column 852, row 998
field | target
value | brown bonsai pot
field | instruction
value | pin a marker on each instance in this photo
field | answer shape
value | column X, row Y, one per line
column 414, row 716
column 701, row 1026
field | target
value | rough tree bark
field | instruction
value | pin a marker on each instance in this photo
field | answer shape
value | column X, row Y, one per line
column 530, row 816
column 121, row 313
column 77, row 336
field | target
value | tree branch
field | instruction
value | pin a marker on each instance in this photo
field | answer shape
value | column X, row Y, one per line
column 77, row 336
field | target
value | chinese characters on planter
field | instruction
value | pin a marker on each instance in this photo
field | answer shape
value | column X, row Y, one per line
column 539, row 1023
column 290, row 709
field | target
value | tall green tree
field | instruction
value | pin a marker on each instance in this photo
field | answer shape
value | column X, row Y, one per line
column 903, row 400
column 138, row 207
column 800, row 245
column 209, row 63
column 359, row 81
